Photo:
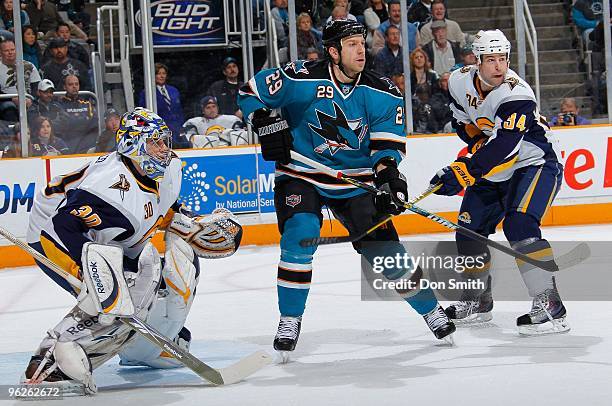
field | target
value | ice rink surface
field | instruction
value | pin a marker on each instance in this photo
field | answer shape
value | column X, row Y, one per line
column 350, row 352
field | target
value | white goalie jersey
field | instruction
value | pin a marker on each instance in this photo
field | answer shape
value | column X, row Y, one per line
column 504, row 124
column 105, row 201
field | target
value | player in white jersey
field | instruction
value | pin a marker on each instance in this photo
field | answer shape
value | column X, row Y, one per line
column 513, row 174
column 212, row 129
column 122, row 199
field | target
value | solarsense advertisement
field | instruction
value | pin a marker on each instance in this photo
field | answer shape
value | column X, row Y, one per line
column 183, row 23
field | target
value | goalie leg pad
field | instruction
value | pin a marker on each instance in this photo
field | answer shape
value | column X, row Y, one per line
column 170, row 309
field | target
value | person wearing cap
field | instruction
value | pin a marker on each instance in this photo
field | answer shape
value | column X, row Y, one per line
column 226, row 90
column 438, row 13
column 443, row 53
column 169, row 106
column 45, row 105
column 61, row 65
column 467, row 58
column 75, row 50
column 211, row 129
column 107, row 140
column 8, row 80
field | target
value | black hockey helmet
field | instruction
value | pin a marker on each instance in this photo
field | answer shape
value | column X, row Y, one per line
column 336, row 30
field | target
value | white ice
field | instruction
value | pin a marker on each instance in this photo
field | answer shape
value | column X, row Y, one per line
column 350, row 352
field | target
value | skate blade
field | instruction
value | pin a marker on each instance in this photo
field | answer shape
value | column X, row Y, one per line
column 283, row 357
column 474, row 319
column 557, row 326
column 448, row 341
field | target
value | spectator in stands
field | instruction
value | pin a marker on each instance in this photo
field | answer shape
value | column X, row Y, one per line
column 8, row 81
column 312, row 54
column 45, row 18
column 62, row 65
column 10, row 141
column 31, row 50
column 378, row 42
column 421, row 72
column 441, row 52
column 357, row 8
column 420, row 13
column 107, row 140
column 45, row 106
column 597, row 37
column 213, row 129
column 80, row 129
column 586, row 14
column 388, row 61
column 280, row 14
column 440, row 104
column 226, row 90
column 373, row 16
column 307, row 37
column 75, row 50
column 341, row 11
column 169, row 105
column 424, row 121
column 467, row 58
column 43, row 141
column 7, row 26
column 438, row 13
column 569, row 115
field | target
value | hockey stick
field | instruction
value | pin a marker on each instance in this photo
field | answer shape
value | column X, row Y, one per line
column 574, row 256
column 223, row 376
column 309, row 242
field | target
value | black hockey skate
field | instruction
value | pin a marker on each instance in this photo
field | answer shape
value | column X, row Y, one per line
column 547, row 315
column 439, row 324
column 287, row 335
column 471, row 310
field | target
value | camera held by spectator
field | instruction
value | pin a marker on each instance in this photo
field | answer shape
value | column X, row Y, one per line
column 569, row 114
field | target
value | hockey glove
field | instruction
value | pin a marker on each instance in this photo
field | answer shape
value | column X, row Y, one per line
column 274, row 136
column 454, row 178
column 394, row 190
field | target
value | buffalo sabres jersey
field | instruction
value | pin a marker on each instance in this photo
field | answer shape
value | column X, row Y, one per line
column 106, row 201
column 506, row 119
column 347, row 127
column 207, row 126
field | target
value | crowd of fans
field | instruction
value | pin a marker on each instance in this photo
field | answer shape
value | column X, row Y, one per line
column 56, row 54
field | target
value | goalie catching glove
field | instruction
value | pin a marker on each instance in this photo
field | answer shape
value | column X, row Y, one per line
column 216, row 235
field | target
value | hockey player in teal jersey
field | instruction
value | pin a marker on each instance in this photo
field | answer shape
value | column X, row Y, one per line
column 348, row 118
column 513, row 174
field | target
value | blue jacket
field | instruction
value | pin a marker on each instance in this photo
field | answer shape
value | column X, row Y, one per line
column 172, row 114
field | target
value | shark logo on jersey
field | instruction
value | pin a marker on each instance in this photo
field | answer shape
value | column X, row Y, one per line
column 338, row 132
column 391, row 84
column 122, row 185
column 297, row 67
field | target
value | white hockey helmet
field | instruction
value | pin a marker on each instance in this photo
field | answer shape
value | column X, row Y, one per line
column 490, row 42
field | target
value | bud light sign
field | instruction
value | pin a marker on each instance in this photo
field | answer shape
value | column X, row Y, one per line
column 183, row 23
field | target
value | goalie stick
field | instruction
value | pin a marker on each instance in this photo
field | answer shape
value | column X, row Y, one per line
column 576, row 255
column 222, row 376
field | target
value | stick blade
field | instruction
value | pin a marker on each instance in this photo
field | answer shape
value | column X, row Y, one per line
column 245, row 367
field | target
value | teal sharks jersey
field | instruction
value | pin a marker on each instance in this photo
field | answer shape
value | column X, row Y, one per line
column 346, row 127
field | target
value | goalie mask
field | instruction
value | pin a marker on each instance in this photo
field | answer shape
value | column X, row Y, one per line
column 144, row 137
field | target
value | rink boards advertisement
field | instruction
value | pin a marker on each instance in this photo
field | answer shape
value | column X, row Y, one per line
column 238, row 179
